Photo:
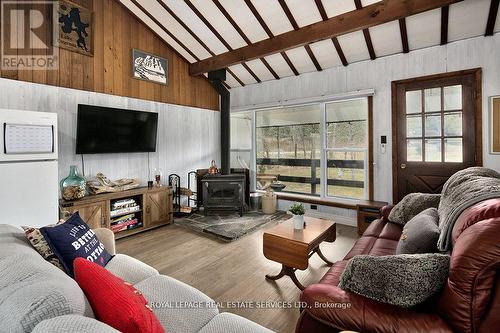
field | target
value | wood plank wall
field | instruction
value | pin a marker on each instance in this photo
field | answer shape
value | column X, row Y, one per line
column 116, row 32
column 496, row 125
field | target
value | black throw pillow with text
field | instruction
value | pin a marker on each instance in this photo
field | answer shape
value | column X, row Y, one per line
column 74, row 239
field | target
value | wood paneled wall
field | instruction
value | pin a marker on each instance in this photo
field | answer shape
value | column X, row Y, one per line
column 116, row 32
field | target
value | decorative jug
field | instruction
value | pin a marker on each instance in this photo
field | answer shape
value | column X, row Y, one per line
column 213, row 168
column 74, row 186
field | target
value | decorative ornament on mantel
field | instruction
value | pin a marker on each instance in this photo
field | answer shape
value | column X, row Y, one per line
column 213, row 170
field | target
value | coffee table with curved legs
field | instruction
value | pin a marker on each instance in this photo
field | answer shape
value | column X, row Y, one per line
column 292, row 248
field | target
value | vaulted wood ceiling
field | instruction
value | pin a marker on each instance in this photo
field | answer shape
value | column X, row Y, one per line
column 213, row 34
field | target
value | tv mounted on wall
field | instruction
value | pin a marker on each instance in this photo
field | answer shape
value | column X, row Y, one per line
column 108, row 130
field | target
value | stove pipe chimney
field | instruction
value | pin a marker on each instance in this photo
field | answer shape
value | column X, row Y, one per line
column 216, row 78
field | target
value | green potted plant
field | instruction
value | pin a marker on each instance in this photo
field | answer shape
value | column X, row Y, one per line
column 298, row 211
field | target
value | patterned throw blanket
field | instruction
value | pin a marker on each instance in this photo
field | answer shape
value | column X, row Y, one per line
column 464, row 189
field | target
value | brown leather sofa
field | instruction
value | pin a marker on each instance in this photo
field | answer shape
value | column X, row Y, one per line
column 469, row 302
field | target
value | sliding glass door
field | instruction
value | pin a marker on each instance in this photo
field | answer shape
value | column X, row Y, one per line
column 317, row 149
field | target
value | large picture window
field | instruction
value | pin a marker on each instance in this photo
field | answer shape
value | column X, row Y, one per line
column 320, row 149
column 289, row 147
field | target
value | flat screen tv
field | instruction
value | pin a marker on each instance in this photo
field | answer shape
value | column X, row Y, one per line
column 107, row 130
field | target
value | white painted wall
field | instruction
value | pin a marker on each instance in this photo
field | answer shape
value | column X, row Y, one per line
column 471, row 53
column 188, row 138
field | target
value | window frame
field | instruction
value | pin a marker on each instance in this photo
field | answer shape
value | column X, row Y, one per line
column 368, row 188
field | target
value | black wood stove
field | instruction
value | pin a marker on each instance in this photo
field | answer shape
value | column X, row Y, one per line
column 228, row 190
column 224, row 192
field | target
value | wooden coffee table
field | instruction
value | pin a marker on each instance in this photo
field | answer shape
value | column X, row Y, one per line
column 293, row 248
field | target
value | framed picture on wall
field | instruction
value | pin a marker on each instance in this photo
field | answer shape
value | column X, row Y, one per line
column 495, row 124
column 75, row 28
column 149, row 67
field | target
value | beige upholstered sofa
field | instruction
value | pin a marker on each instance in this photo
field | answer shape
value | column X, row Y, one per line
column 36, row 296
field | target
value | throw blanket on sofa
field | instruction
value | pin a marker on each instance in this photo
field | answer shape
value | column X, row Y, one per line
column 464, row 189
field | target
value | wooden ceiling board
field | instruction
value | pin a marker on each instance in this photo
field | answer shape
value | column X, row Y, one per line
column 196, row 25
column 258, row 67
column 159, row 31
column 354, row 46
column 301, row 60
column 210, row 11
column 326, row 54
column 424, row 29
column 337, row 7
column 168, row 21
column 231, row 81
column 369, row 2
column 273, row 15
column 468, row 19
column 243, row 74
column 247, row 22
column 305, row 12
column 386, row 39
column 279, row 65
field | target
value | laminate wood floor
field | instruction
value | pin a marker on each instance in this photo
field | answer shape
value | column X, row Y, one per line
column 232, row 272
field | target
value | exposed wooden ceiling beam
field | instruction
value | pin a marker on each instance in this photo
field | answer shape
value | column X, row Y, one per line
column 296, row 27
column 404, row 35
column 445, row 11
column 369, row 16
column 366, row 33
column 195, row 36
column 243, row 35
column 269, row 33
column 339, row 51
column 492, row 18
column 270, row 68
column 290, row 63
column 335, row 41
column 222, row 40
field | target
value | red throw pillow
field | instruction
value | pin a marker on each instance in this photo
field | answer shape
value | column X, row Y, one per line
column 114, row 301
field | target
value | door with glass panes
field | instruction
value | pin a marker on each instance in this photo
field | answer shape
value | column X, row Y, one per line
column 436, row 130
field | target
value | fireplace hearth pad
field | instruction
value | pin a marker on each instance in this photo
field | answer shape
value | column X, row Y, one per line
column 229, row 226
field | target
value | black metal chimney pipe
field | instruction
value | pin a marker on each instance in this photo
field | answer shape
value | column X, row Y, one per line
column 216, row 78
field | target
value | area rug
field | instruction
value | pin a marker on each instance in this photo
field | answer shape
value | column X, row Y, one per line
column 230, row 226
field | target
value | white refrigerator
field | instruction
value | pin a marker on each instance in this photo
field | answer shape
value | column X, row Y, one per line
column 29, row 188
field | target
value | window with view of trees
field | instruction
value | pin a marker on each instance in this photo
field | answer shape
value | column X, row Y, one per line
column 347, row 148
column 289, row 148
column 316, row 149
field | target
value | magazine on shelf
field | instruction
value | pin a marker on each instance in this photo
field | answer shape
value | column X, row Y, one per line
column 126, row 210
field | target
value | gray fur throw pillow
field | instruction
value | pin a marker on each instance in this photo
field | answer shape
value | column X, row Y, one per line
column 404, row 280
column 420, row 234
column 411, row 205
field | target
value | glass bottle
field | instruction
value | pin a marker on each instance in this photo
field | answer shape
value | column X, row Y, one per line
column 74, row 186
